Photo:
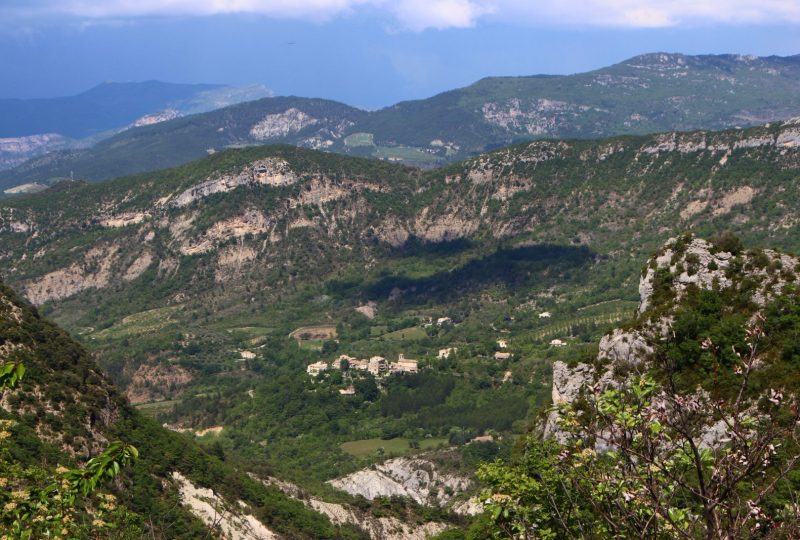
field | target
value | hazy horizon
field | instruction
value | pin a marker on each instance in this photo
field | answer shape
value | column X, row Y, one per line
column 364, row 53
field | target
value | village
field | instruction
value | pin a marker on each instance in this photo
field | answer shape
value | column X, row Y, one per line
column 378, row 366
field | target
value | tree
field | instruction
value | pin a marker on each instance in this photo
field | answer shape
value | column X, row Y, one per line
column 39, row 502
column 648, row 461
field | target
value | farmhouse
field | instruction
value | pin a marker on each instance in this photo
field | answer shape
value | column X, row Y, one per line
column 378, row 366
column 502, row 355
column 316, row 368
column 544, row 315
column 558, row 343
column 405, row 365
column 337, row 364
column 445, row 353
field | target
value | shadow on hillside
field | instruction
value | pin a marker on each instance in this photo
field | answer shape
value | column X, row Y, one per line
column 416, row 247
column 513, row 267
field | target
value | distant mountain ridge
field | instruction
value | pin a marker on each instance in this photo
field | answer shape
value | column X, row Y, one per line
column 34, row 127
column 646, row 94
column 107, row 106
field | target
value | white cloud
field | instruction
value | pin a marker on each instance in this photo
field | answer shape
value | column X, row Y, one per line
column 422, row 14
column 652, row 13
column 418, row 15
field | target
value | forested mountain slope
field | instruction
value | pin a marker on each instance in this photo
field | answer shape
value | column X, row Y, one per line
column 64, row 411
column 696, row 397
column 646, row 94
column 208, row 290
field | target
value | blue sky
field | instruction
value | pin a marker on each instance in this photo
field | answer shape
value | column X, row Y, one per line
column 368, row 53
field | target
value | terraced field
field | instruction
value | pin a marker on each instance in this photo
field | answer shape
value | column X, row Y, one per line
column 149, row 321
column 602, row 314
column 391, row 447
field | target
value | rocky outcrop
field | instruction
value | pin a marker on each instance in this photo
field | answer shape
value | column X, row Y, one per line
column 228, row 521
column 282, row 124
column 699, row 264
column 691, row 262
column 624, row 348
column 250, row 222
column 378, row 528
column 138, row 267
column 415, row 478
column 445, row 227
column 93, row 271
column 156, row 118
column 123, row 219
column 268, row 172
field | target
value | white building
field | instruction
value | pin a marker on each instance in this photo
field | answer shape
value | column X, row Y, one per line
column 337, row 364
column 445, row 353
column 316, row 368
column 558, row 343
column 405, row 365
column 502, row 355
column 378, row 366
column 362, row 365
column 441, row 321
column 544, row 315
column 501, row 343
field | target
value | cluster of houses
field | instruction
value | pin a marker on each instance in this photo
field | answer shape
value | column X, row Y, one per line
column 378, row 366
column 498, row 355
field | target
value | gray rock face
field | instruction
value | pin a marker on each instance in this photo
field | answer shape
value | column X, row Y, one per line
column 696, row 261
column 628, row 349
column 567, row 385
column 281, row 124
column 624, row 347
column 567, row 382
column 377, row 528
column 415, row 478
column 704, row 269
column 699, row 267
column 269, row 171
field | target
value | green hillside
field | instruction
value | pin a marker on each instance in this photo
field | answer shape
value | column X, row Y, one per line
column 206, row 290
column 65, row 412
column 646, row 94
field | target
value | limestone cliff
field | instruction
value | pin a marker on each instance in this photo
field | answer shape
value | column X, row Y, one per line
column 416, row 478
column 682, row 264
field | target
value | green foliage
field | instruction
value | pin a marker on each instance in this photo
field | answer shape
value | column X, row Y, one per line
column 40, row 502
column 635, row 461
column 727, row 241
column 586, row 107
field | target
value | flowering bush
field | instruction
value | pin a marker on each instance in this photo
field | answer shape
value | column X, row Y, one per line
column 42, row 502
column 645, row 460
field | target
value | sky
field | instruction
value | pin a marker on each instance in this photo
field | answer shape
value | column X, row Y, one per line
column 367, row 53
